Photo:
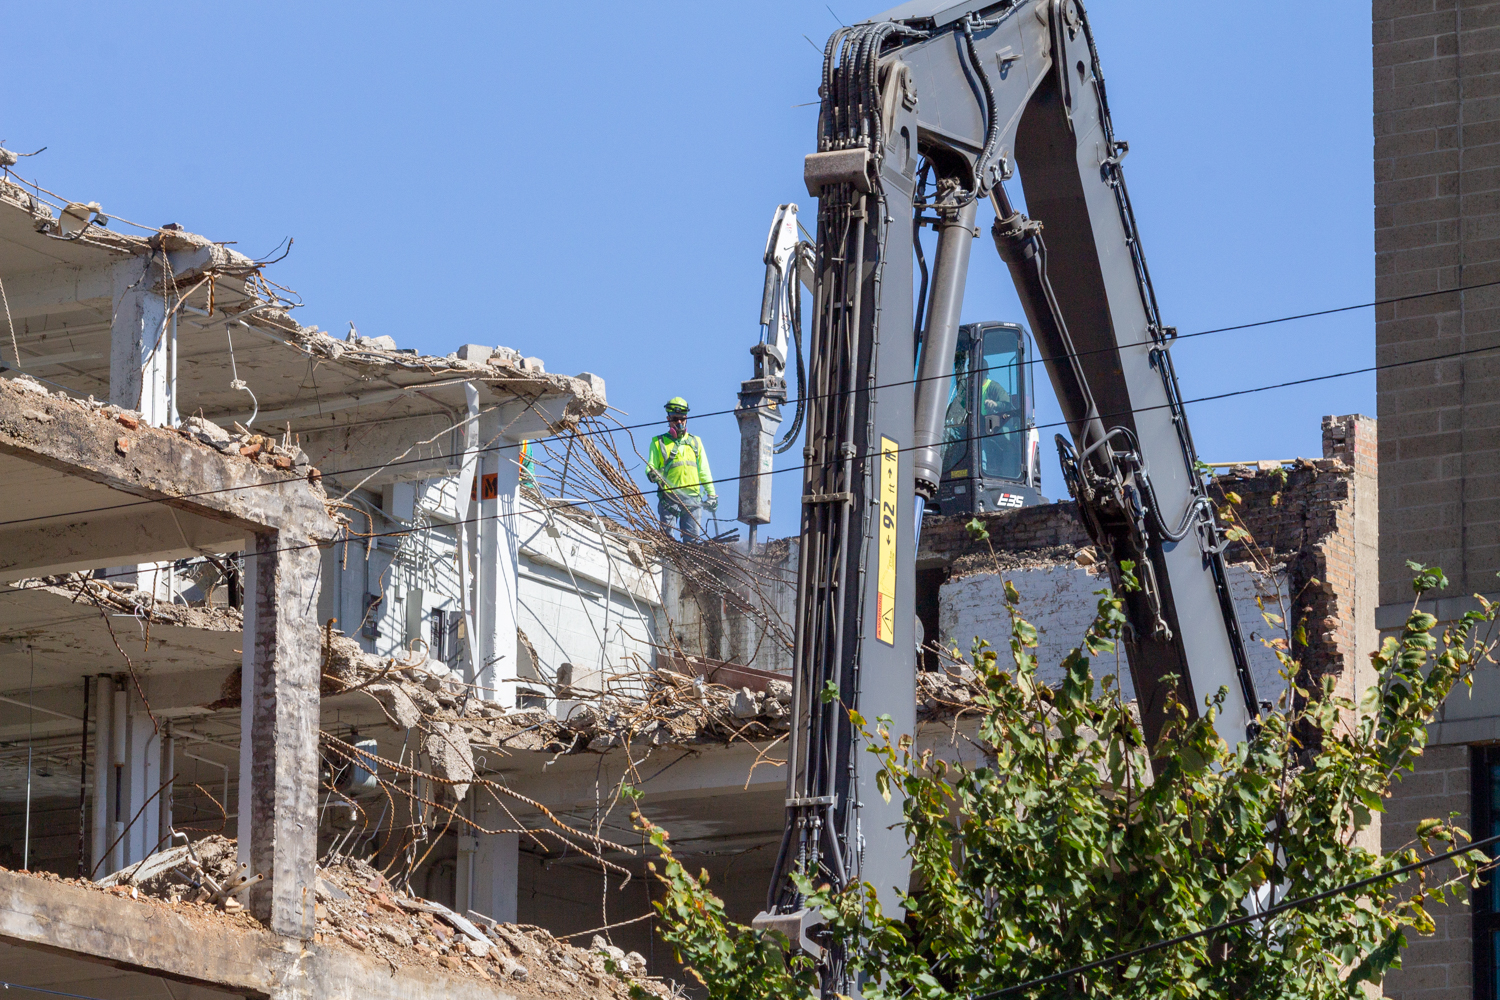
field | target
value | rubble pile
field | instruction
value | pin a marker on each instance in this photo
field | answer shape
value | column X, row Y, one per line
column 127, row 599
column 497, row 365
column 358, row 908
column 673, row 709
column 259, row 448
column 943, row 693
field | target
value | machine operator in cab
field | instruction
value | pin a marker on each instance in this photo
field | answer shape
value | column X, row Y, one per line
column 678, row 465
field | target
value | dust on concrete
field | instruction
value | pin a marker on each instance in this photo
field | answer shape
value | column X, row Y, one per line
column 359, row 910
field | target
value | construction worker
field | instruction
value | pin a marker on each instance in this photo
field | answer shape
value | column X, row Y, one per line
column 993, row 399
column 528, row 466
column 1001, row 445
column 678, row 465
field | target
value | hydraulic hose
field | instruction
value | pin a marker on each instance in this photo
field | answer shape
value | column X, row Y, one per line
column 790, row 438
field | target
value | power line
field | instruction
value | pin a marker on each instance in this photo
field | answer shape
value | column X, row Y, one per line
column 1236, row 922
column 477, row 519
column 1055, row 424
column 887, row 385
column 38, row 989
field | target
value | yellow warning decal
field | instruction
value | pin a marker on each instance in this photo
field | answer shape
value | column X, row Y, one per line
column 885, row 597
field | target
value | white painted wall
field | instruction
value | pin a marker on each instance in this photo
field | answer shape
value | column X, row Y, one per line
column 1060, row 602
column 584, row 600
column 581, row 597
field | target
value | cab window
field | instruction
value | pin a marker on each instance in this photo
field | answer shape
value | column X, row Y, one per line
column 956, row 420
column 1001, row 427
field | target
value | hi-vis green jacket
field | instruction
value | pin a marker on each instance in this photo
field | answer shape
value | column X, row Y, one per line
column 683, row 463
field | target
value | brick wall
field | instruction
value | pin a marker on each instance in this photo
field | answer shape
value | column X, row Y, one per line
column 1437, row 226
column 1030, row 529
column 1315, row 521
column 1318, row 519
column 1437, row 967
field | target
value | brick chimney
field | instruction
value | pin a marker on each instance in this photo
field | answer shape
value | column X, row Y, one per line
column 1352, row 440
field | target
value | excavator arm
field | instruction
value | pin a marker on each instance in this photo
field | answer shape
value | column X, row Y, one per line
column 927, row 111
column 761, row 397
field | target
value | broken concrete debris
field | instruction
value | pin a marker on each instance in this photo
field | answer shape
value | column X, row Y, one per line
column 357, row 907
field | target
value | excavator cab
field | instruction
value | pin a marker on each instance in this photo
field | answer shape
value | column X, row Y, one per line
column 990, row 445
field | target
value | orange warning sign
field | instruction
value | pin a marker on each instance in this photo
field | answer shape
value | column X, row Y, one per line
column 491, row 482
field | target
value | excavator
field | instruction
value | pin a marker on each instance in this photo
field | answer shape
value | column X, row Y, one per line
column 991, row 456
column 928, row 111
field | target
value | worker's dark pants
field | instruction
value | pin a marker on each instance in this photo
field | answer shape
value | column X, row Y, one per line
column 686, row 515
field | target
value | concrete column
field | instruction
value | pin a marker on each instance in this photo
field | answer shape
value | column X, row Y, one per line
column 102, row 819
column 142, row 777
column 143, row 345
column 489, row 865
column 279, row 729
column 143, row 376
column 119, row 798
column 499, row 548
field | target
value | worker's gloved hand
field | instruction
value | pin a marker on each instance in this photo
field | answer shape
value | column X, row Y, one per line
column 711, row 501
column 654, row 476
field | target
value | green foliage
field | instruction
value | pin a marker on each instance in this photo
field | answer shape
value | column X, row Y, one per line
column 732, row 961
column 1067, row 847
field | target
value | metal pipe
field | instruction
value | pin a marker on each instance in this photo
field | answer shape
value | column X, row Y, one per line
column 83, row 787
column 949, row 271
column 103, row 740
column 26, row 840
column 45, row 711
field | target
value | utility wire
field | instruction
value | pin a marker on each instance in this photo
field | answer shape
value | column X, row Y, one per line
column 477, row 519
column 38, row 989
column 1237, row 922
column 910, row 381
column 790, row 468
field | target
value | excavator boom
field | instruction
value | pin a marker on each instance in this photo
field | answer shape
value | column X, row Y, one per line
column 927, row 112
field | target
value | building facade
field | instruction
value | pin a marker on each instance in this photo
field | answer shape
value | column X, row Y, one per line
column 1436, row 66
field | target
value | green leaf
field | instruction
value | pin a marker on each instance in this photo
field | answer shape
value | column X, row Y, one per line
column 1427, row 577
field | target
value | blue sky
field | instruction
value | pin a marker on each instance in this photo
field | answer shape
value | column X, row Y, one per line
column 592, row 184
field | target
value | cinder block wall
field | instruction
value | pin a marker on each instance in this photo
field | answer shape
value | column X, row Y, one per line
column 1439, row 967
column 1437, row 226
column 1436, row 79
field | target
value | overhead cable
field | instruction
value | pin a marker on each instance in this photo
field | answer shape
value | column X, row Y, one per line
column 1013, row 364
column 729, row 479
column 605, row 430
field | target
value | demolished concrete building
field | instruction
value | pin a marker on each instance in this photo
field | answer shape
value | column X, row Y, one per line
column 291, row 623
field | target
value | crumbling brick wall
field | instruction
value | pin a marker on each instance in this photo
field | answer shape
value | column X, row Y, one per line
column 1031, row 529
column 1301, row 518
column 1314, row 518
